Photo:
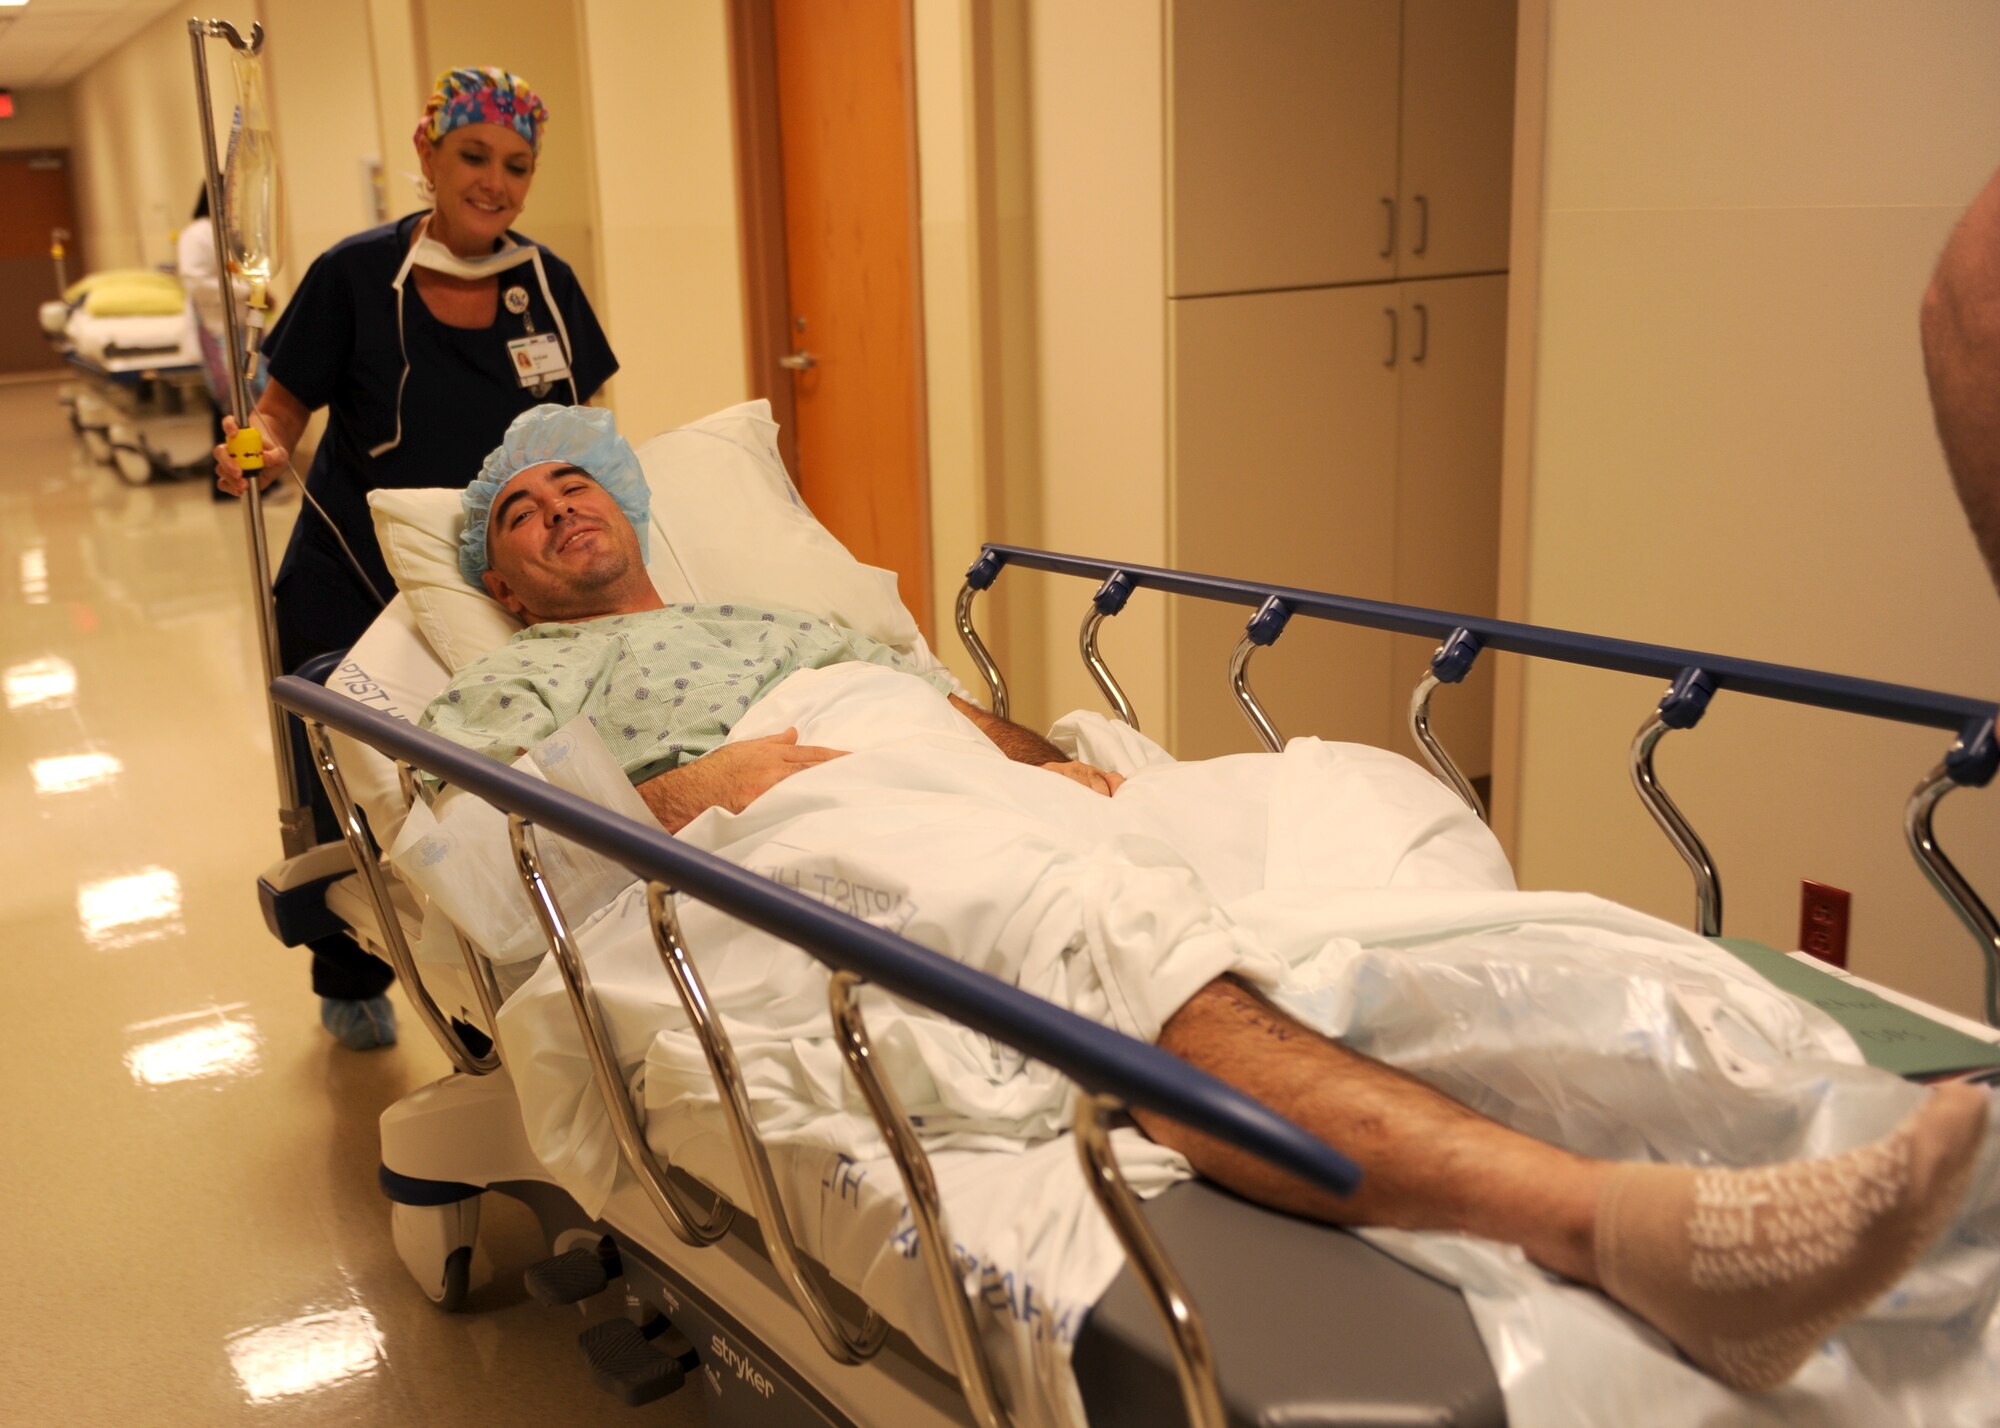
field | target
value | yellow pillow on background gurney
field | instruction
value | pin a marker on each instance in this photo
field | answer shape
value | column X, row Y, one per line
column 129, row 297
column 144, row 276
column 727, row 524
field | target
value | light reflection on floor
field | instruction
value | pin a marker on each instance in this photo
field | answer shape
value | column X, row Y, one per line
column 214, row 1042
column 35, row 576
column 116, row 912
column 67, row 773
column 46, row 683
column 306, row 1354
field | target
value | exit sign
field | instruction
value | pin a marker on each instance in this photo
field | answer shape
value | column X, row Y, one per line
column 6, row 104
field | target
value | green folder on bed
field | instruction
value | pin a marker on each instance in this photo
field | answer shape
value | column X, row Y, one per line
column 1891, row 1037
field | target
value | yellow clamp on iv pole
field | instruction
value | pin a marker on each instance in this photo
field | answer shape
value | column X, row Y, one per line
column 252, row 185
column 246, row 449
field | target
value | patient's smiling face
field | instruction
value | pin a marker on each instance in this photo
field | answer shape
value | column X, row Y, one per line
column 561, row 549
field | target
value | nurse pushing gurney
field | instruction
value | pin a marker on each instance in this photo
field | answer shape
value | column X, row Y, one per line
column 424, row 337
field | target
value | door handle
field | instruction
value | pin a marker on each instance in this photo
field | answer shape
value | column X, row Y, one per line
column 1390, row 313
column 1423, row 226
column 798, row 361
column 1388, row 229
column 1423, row 332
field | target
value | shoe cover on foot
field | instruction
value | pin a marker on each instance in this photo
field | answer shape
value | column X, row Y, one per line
column 359, row 1025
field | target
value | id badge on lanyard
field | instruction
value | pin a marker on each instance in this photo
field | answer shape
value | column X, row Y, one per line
column 538, row 358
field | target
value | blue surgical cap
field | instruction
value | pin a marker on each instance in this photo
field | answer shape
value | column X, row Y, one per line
column 583, row 437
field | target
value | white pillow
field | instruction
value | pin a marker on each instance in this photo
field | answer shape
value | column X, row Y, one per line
column 740, row 532
column 727, row 524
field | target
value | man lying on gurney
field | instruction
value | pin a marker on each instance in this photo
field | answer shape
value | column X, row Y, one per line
column 1746, row 1271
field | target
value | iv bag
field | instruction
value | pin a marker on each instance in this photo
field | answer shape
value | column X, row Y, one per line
column 250, row 183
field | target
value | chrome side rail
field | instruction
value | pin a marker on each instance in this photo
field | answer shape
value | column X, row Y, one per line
column 842, row 1344
column 1686, row 700
column 1101, row 672
column 1450, row 663
column 476, row 967
column 639, row 1159
column 1264, row 628
column 1108, row 601
column 360, row 848
column 1950, row 884
column 996, row 683
column 1239, row 685
column 934, row 1242
column 1194, row 1358
column 1434, row 753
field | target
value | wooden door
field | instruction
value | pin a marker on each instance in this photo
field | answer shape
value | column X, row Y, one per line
column 1284, row 465
column 1458, row 135
column 845, row 134
column 1281, row 132
column 37, row 189
column 1452, row 373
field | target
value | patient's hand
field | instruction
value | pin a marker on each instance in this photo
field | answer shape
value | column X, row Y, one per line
column 732, row 778
column 1095, row 779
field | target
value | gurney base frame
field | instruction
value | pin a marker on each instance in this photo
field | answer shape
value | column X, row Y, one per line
column 466, row 1130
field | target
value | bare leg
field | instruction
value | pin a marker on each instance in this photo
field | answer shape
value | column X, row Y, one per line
column 1746, row 1271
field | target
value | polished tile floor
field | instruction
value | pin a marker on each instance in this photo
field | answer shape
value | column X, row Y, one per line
column 187, row 1185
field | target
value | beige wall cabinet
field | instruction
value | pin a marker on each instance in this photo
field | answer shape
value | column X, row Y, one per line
column 1343, row 439
column 1457, row 145
column 1349, row 141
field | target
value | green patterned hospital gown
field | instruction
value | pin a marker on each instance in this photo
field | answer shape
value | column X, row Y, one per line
column 661, row 687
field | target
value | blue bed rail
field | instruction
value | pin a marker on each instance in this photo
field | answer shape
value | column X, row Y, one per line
column 1097, row 1058
column 1978, row 756
column 1694, row 678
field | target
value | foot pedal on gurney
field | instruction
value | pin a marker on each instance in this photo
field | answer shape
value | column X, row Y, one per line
column 575, row 1275
column 637, row 1364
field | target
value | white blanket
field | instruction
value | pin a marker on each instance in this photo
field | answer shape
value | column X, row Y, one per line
column 1368, row 901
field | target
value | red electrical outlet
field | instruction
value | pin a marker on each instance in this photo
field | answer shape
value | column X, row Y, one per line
column 1823, row 921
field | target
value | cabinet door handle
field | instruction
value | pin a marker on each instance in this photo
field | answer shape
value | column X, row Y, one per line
column 1423, row 226
column 1388, row 228
column 1423, row 332
column 1390, row 360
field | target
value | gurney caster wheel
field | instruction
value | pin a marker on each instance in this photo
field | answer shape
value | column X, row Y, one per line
column 435, row 1242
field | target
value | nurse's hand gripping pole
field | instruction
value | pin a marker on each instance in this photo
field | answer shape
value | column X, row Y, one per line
column 246, row 447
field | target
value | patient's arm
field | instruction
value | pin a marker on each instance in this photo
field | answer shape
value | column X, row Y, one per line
column 733, row 777
column 1025, row 746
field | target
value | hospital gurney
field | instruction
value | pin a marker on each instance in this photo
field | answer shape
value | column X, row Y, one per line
column 140, row 402
column 1421, row 1361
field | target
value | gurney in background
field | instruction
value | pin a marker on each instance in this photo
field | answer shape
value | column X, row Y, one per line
column 140, row 401
column 1448, row 1381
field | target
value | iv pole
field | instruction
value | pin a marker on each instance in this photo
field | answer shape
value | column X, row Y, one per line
column 295, row 829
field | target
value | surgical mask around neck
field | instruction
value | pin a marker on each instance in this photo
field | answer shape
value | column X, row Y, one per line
column 427, row 252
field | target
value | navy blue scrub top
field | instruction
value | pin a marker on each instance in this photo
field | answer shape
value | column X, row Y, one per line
column 335, row 346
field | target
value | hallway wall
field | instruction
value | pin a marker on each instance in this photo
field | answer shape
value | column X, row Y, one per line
column 1723, row 440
